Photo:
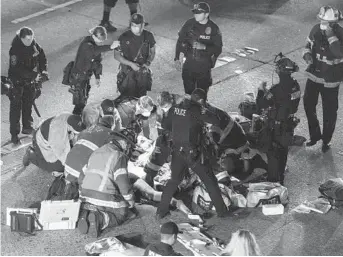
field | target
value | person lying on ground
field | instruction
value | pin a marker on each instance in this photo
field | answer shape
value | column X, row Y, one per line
column 52, row 142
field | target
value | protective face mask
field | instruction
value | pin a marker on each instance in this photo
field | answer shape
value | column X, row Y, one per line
column 324, row 26
column 135, row 30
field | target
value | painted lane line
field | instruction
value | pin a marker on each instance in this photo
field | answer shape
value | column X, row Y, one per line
column 45, row 11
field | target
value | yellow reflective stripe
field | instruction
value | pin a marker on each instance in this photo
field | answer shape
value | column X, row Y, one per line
column 321, row 80
column 295, row 95
column 128, row 197
column 106, row 172
column 332, row 39
column 110, row 204
column 328, row 62
column 71, row 171
column 87, row 143
column 221, row 175
column 118, row 172
column 226, row 131
column 152, row 166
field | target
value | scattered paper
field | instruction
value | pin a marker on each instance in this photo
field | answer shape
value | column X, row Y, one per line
column 238, row 71
column 319, row 205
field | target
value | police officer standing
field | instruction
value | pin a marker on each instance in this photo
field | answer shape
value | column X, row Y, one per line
column 28, row 65
column 88, row 62
column 186, row 122
column 324, row 55
column 201, row 43
column 280, row 103
column 136, row 52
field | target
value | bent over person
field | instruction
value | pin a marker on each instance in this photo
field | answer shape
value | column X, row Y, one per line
column 27, row 66
column 52, row 142
column 324, row 55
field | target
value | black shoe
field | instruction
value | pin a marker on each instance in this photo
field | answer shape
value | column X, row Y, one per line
column 311, row 142
column 325, row 147
column 15, row 140
column 94, row 229
column 27, row 156
column 27, row 131
column 82, row 223
column 108, row 26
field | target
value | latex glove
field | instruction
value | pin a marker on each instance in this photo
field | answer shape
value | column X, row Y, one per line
column 115, row 44
column 308, row 58
column 135, row 66
column 97, row 82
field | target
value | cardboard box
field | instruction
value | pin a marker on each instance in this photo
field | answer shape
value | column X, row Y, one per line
column 56, row 215
column 273, row 209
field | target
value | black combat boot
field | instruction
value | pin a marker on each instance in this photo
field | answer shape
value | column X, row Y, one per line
column 83, row 224
column 108, row 26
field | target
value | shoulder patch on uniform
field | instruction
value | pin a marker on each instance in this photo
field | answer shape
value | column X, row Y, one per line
column 127, row 42
column 13, row 60
column 208, row 30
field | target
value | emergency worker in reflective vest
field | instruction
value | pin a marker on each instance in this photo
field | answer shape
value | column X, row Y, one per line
column 280, row 103
column 201, row 43
column 324, row 55
column 185, row 123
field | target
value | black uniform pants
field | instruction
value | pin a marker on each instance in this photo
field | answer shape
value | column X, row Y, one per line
column 179, row 165
column 80, row 96
column 22, row 99
column 330, row 107
column 196, row 79
column 277, row 160
column 157, row 159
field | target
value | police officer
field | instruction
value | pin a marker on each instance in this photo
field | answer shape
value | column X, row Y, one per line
column 88, row 62
column 28, row 65
column 136, row 52
column 324, row 55
column 108, row 5
column 280, row 103
column 201, row 43
column 185, row 122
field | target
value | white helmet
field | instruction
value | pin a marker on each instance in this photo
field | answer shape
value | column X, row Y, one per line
column 329, row 14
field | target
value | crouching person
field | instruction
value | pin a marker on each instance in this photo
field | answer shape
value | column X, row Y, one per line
column 52, row 142
column 100, row 121
column 106, row 191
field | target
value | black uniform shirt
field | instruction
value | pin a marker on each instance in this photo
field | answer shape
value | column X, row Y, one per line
column 160, row 249
column 207, row 34
column 185, row 121
column 26, row 61
column 87, row 53
column 131, row 43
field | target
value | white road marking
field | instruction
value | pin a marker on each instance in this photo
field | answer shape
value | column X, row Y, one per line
column 45, row 11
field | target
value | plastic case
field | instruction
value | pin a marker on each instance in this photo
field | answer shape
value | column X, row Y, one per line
column 56, row 215
column 273, row 209
column 19, row 210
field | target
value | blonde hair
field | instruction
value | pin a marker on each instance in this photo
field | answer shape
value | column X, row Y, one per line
column 242, row 243
column 91, row 114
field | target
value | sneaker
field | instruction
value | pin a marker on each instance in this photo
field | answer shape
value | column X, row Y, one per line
column 27, row 131
column 82, row 223
column 108, row 26
column 94, row 224
column 325, row 147
column 15, row 140
column 27, row 156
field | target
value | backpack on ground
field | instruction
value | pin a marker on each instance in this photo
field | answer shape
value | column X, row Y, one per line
column 332, row 190
column 60, row 190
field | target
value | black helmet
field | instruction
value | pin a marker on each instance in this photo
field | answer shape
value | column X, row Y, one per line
column 285, row 65
column 6, row 85
column 127, row 134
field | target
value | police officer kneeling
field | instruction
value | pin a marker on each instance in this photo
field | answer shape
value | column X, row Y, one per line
column 185, row 122
column 280, row 103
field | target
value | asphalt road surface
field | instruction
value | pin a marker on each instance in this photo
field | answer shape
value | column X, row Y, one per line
column 268, row 25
